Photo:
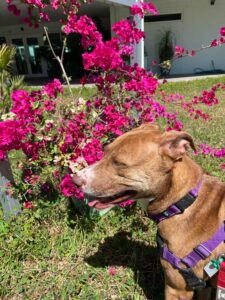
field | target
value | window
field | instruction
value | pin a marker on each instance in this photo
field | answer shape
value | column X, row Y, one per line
column 163, row 18
column 34, row 55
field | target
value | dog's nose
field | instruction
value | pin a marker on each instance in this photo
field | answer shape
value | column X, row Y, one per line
column 79, row 181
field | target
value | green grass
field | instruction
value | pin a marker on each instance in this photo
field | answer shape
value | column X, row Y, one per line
column 47, row 255
column 54, row 253
column 211, row 132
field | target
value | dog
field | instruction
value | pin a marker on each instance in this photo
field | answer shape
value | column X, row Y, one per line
column 153, row 168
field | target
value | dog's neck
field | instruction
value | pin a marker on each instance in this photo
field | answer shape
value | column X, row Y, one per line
column 185, row 176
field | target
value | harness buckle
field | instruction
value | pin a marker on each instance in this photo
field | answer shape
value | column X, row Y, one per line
column 185, row 202
column 193, row 281
column 202, row 251
column 167, row 214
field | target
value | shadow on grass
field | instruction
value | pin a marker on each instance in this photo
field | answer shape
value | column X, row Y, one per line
column 143, row 259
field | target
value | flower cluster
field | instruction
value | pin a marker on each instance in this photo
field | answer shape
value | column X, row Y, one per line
column 38, row 10
column 208, row 97
column 142, row 8
column 104, row 57
column 12, row 8
column 127, row 32
column 182, row 52
column 208, row 150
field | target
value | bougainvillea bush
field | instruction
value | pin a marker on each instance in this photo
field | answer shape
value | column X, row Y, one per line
column 58, row 138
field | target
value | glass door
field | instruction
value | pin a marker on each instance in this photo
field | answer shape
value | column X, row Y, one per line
column 34, row 56
column 20, row 57
column 29, row 61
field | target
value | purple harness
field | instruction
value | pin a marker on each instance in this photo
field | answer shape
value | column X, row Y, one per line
column 202, row 251
column 178, row 207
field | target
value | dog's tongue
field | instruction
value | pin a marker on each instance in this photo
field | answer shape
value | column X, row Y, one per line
column 97, row 204
column 92, row 203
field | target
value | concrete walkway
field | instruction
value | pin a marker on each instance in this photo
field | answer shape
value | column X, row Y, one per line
column 172, row 79
column 40, row 82
column 193, row 77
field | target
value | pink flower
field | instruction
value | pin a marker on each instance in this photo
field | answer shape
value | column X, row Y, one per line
column 44, row 16
column 2, row 155
column 102, row 57
column 222, row 31
column 28, row 205
column 53, row 88
column 207, row 150
column 12, row 8
column 214, row 43
column 127, row 32
column 143, row 8
column 92, row 152
column 78, row 194
column 179, row 51
column 31, row 149
column 49, row 105
column 67, row 186
column 126, row 203
column 222, row 40
column 112, row 271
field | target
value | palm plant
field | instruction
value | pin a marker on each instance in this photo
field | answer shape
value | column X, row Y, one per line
column 8, row 83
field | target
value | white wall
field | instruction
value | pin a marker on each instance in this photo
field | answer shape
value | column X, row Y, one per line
column 23, row 30
column 199, row 25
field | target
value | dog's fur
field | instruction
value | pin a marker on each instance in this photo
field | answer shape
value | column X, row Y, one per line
column 152, row 167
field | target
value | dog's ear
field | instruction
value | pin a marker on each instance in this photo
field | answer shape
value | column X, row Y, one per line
column 174, row 144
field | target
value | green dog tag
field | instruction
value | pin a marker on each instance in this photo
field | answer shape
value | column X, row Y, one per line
column 213, row 266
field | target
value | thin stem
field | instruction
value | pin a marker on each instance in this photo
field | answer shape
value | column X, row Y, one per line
column 2, row 94
column 49, row 42
column 59, row 61
column 63, row 48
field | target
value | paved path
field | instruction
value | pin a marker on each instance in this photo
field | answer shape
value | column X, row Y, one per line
column 39, row 83
column 194, row 77
column 173, row 79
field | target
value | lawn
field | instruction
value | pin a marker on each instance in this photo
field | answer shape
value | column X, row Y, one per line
column 52, row 252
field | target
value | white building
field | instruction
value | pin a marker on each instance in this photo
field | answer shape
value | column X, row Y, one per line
column 193, row 23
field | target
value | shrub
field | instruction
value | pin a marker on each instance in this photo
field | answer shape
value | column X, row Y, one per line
column 58, row 138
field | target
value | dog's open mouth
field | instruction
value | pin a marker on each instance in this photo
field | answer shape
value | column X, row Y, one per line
column 106, row 202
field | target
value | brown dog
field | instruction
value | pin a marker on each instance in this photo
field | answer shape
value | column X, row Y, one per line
column 152, row 167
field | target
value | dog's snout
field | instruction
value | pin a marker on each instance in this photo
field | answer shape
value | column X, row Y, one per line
column 83, row 179
column 79, row 181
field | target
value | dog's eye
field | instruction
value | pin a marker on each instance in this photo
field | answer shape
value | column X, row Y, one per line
column 118, row 163
column 105, row 148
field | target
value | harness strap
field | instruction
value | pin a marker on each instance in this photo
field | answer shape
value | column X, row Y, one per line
column 193, row 281
column 178, row 207
column 202, row 251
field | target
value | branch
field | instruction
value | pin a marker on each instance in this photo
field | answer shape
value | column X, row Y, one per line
column 59, row 61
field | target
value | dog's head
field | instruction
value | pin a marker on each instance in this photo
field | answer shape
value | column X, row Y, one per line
column 136, row 165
